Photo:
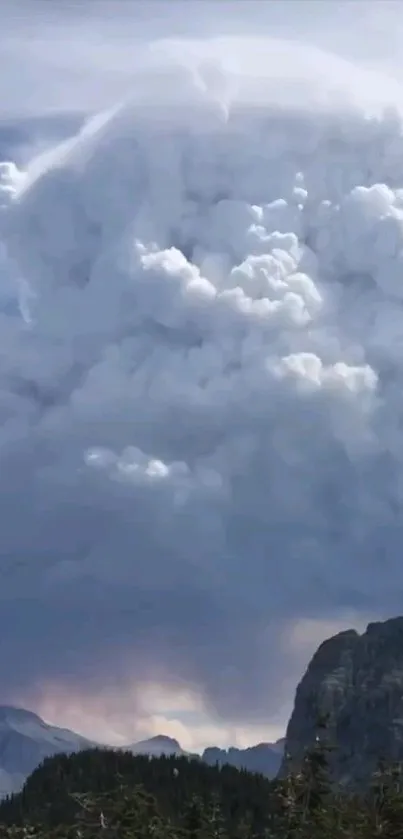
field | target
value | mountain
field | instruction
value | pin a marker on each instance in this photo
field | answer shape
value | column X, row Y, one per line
column 25, row 740
column 357, row 681
column 157, row 746
column 264, row 758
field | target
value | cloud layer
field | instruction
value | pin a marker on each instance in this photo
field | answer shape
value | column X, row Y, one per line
column 201, row 412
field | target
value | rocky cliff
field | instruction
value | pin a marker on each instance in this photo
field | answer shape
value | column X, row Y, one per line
column 358, row 681
column 264, row 758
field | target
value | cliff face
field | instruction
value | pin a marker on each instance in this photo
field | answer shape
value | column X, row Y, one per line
column 358, row 681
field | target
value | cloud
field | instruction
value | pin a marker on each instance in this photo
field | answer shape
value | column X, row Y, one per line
column 136, row 714
column 200, row 447
column 110, row 38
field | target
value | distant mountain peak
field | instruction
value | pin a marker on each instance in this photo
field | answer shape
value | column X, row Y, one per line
column 163, row 738
column 158, row 745
column 10, row 712
column 26, row 739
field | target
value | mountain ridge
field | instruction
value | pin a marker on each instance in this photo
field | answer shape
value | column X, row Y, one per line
column 26, row 740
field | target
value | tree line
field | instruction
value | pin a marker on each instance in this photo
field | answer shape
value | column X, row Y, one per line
column 117, row 795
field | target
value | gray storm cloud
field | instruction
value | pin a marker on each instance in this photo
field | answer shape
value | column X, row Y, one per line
column 201, row 407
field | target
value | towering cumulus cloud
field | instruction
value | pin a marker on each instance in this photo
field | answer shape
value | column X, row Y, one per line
column 201, row 378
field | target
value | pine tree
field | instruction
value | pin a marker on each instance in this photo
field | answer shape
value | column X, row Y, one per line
column 215, row 827
column 244, row 829
column 195, row 819
column 306, row 797
column 385, row 802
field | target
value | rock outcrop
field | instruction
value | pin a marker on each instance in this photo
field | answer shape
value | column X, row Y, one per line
column 264, row 758
column 357, row 680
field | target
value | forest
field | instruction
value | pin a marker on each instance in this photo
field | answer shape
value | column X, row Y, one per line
column 117, row 795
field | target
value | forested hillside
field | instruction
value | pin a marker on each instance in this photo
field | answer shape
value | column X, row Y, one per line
column 121, row 796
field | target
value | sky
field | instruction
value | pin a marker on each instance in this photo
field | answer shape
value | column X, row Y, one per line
column 201, row 229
